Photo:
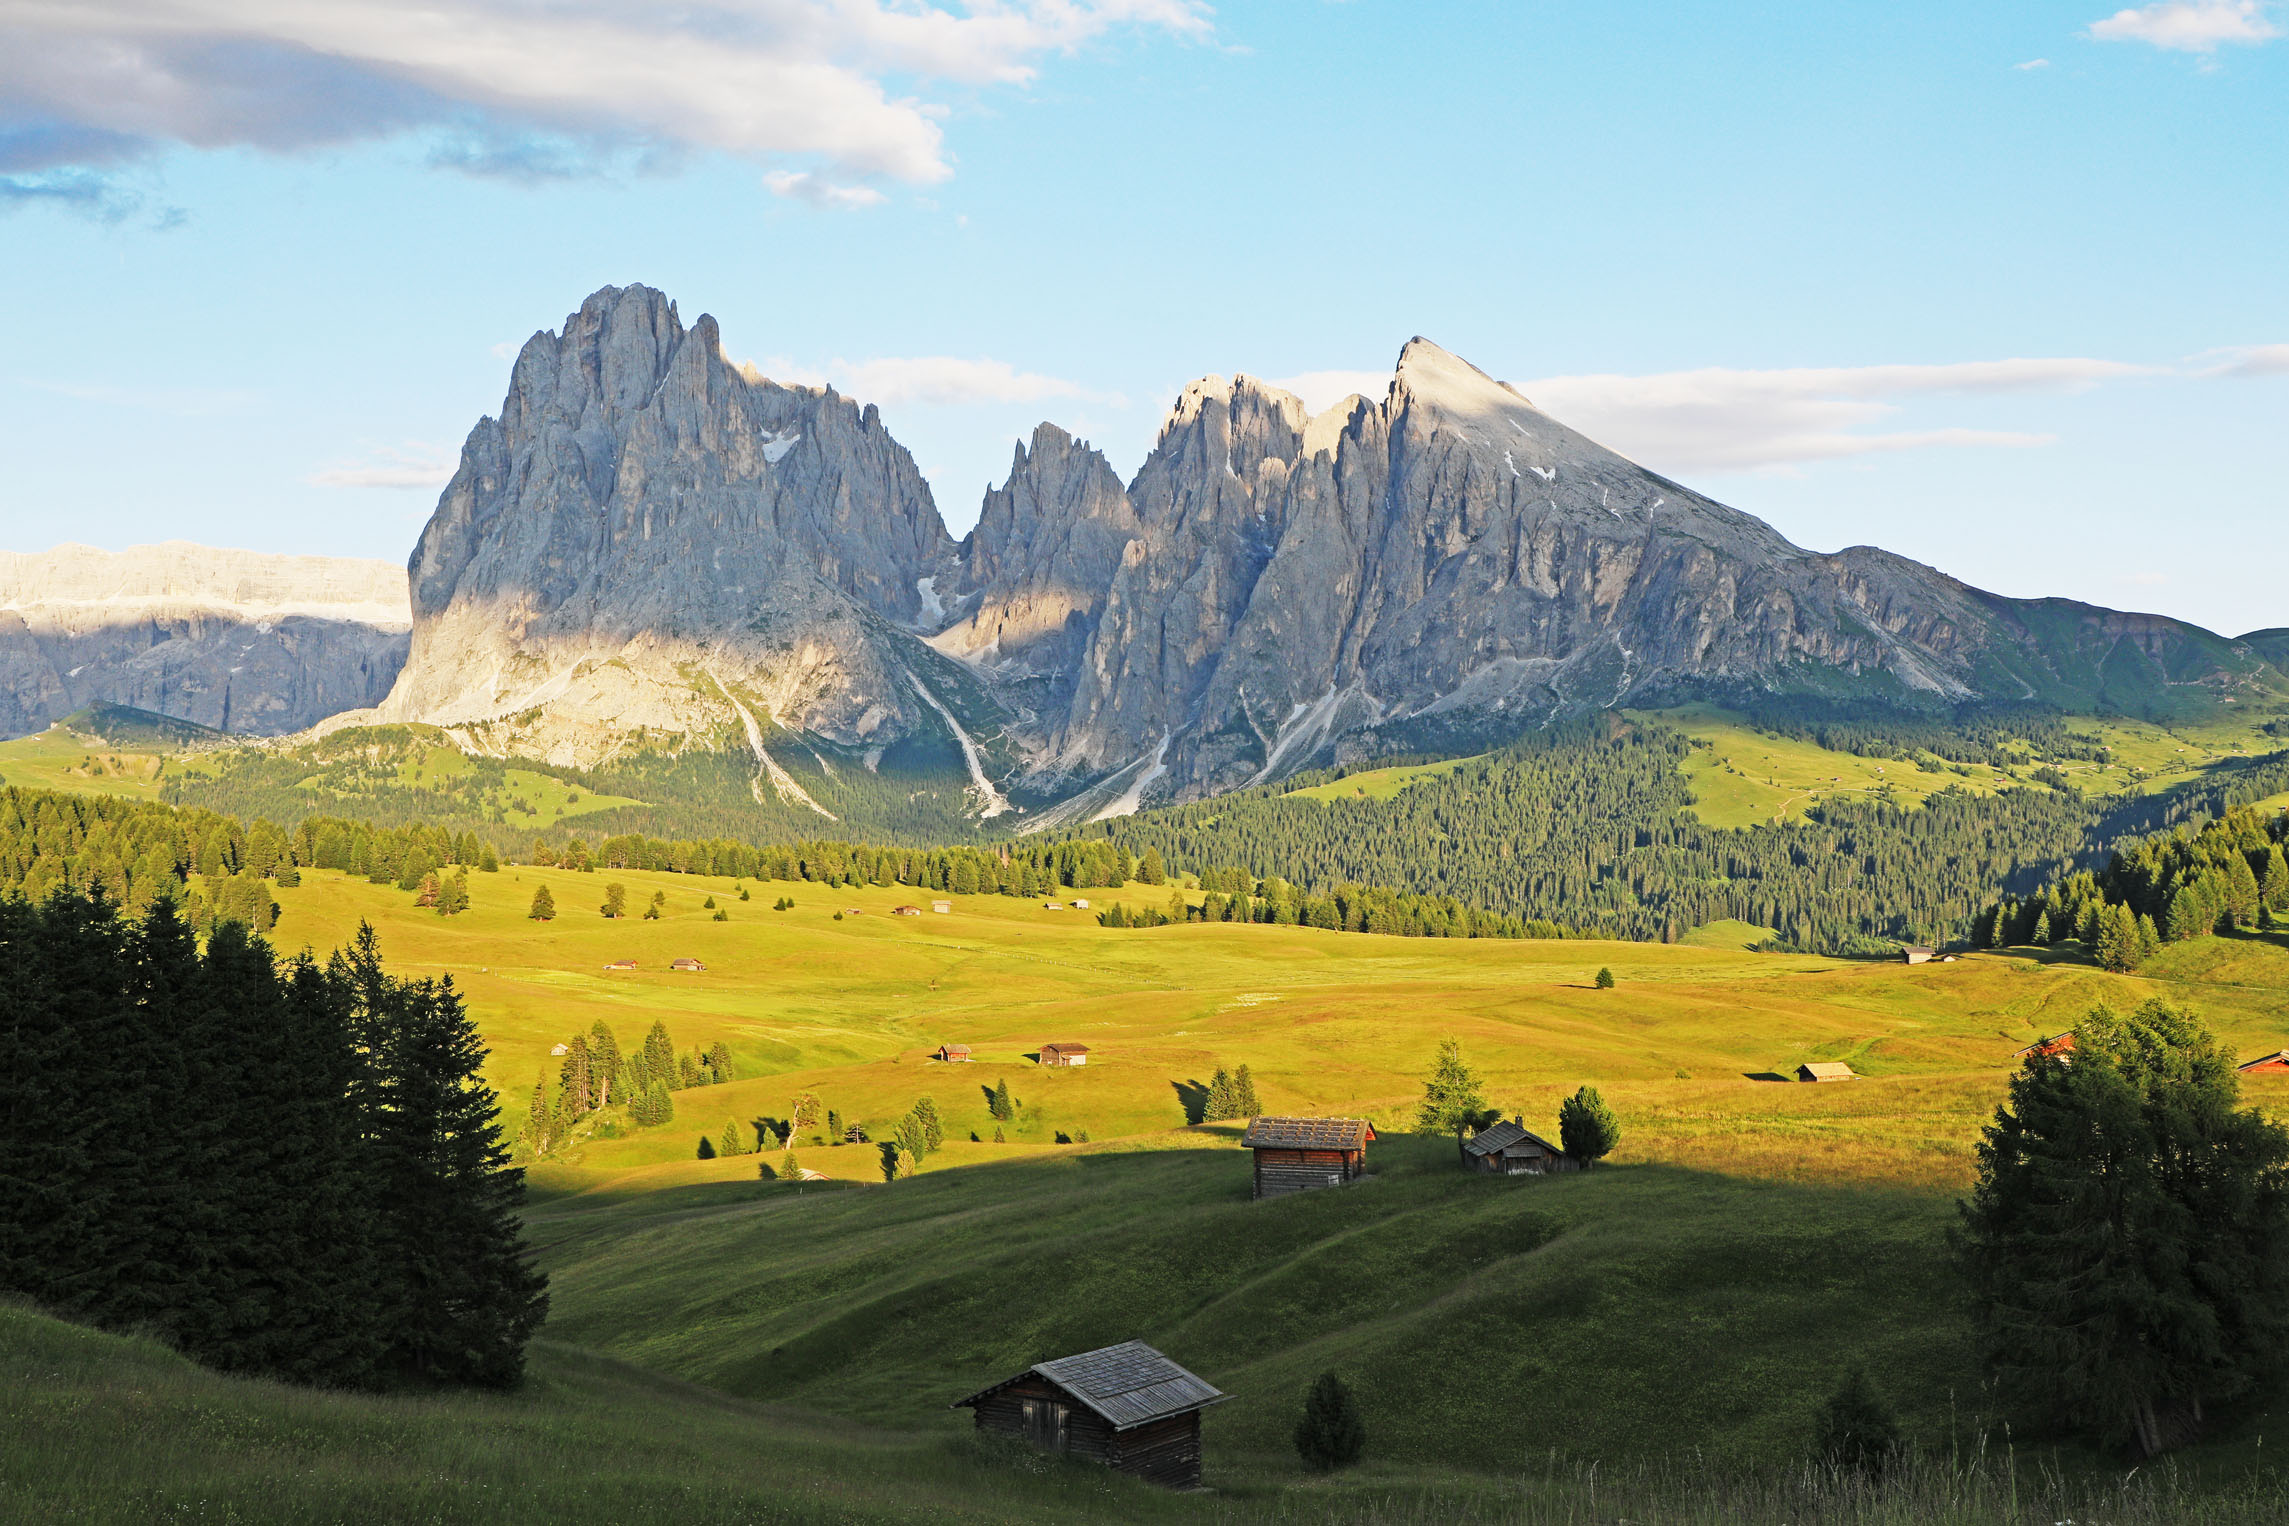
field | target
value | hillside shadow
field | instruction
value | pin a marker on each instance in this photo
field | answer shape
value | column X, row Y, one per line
column 1765, row 1075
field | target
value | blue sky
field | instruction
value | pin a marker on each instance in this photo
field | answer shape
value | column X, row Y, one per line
column 1997, row 287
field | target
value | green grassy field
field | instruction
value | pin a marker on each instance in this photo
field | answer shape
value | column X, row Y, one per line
column 787, row 1350
column 1377, row 783
column 60, row 758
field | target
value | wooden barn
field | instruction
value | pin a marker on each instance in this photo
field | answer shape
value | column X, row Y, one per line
column 952, row 1054
column 1125, row 1406
column 692, row 965
column 1064, row 1056
column 906, row 911
column 1916, row 953
column 621, row 964
column 1299, row 1154
column 1512, row 1149
column 2279, row 1060
column 942, row 908
column 1825, row 1070
column 2056, row 1044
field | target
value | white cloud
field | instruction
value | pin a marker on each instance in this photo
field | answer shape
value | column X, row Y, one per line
column 2190, row 26
column 1721, row 420
column 515, row 87
column 412, row 465
column 2032, row 63
column 2244, row 360
column 931, row 379
column 804, row 186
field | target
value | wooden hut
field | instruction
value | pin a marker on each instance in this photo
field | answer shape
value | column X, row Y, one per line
column 952, row 1054
column 692, row 965
column 1916, row 953
column 1512, row 1149
column 2279, row 1060
column 942, row 908
column 560, row 1051
column 1125, row 1406
column 1299, row 1154
column 2057, row 1044
column 621, row 964
column 906, row 911
column 1825, row 1070
column 1064, row 1056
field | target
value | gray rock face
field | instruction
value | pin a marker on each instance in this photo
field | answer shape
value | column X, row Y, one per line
column 234, row 640
column 651, row 538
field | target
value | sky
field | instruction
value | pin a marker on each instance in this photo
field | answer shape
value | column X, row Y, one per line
column 1997, row 287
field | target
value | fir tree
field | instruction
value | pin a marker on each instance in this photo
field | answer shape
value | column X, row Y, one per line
column 788, row 1168
column 1244, row 1089
column 544, row 906
column 933, row 1127
column 604, row 1063
column 1331, row 1433
column 2128, row 1239
column 576, row 1078
column 541, row 1115
column 615, row 900
column 719, row 1060
column 706, row 1148
column 1221, row 1103
column 660, row 1056
column 1605, row 978
column 734, row 1138
column 1450, row 1093
column 1001, row 1106
column 1856, row 1430
column 1587, row 1128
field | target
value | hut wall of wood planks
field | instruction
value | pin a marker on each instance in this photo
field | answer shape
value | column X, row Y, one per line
column 1300, row 1154
column 1125, row 1406
column 1064, row 1056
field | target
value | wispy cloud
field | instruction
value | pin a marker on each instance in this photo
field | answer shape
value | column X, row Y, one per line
column 180, row 402
column 804, row 186
column 2243, row 360
column 509, row 87
column 411, row 465
column 942, row 380
column 2191, row 26
column 1721, row 420
column 2032, row 63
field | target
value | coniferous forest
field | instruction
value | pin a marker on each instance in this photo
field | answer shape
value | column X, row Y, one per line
column 285, row 1170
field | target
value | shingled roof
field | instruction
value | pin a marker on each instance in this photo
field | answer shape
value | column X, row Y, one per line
column 1126, row 1385
column 1498, row 1137
column 1307, row 1134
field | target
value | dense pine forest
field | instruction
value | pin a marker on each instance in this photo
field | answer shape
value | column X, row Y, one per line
column 288, row 1170
column 1593, row 827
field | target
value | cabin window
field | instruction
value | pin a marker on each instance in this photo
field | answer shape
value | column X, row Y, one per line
column 1045, row 1424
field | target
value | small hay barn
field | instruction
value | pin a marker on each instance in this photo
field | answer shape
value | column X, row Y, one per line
column 1125, row 1406
column 1826, row 1070
column 1512, row 1149
column 1299, row 1154
column 1064, row 1056
column 2279, row 1060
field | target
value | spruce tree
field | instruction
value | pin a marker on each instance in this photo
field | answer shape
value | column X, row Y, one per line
column 933, row 1127
column 1587, row 1128
column 1605, row 978
column 1001, row 1107
column 1244, row 1091
column 788, row 1167
column 1450, row 1093
column 1331, row 1434
column 1856, row 1430
column 1220, row 1103
column 719, row 1060
column 2128, row 1239
column 575, row 1078
column 604, row 1063
column 706, row 1148
column 734, row 1138
column 462, row 1297
column 660, row 1055
column 543, row 1118
column 544, row 906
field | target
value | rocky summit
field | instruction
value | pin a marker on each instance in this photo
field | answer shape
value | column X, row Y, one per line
column 233, row 640
column 654, row 547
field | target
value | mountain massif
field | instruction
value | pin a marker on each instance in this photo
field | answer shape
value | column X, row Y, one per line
column 653, row 550
column 234, row 640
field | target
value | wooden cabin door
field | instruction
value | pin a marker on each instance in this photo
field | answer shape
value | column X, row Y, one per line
column 1046, row 1424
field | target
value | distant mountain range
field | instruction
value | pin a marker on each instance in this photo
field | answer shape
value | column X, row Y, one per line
column 233, row 640
column 654, row 549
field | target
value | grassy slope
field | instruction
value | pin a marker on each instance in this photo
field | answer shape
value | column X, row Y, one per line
column 62, row 759
column 1703, row 1291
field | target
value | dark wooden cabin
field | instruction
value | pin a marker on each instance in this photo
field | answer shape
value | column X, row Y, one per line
column 1125, row 1406
column 1298, row 1154
column 1064, row 1056
column 953, row 1054
column 1511, row 1149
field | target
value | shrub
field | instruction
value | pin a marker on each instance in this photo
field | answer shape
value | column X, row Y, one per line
column 1586, row 1126
column 1605, row 978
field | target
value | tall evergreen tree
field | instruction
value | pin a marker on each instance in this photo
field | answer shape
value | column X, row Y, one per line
column 1244, row 1090
column 604, row 1063
column 1220, row 1103
column 544, row 906
column 1331, row 1433
column 1587, row 1128
column 2128, row 1239
column 1450, row 1093
column 660, row 1056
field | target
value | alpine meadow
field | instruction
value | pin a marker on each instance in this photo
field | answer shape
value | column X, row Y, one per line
column 864, row 905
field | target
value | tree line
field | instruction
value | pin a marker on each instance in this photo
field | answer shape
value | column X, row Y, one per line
column 328, row 1199
column 595, row 1076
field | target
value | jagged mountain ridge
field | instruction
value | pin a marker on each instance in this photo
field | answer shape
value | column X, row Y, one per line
column 651, row 542
column 232, row 640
